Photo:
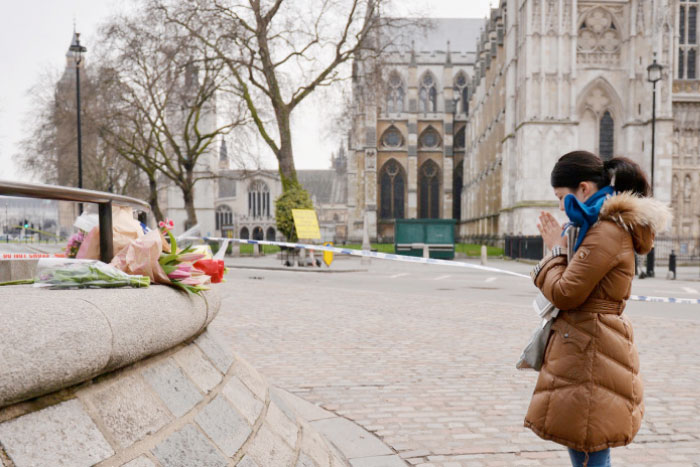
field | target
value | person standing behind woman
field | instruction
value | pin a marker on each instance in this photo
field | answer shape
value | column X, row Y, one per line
column 588, row 395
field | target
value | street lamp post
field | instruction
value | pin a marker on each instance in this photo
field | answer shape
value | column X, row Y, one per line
column 654, row 75
column 78, row 51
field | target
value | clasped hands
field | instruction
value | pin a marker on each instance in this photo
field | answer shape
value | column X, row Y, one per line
column 551, row 231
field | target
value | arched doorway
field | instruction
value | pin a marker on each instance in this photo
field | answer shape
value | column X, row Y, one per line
column 270, row 235
column 245, row 234
column 258, row 234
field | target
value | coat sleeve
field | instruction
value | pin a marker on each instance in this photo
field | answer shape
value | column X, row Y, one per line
column 568, row 286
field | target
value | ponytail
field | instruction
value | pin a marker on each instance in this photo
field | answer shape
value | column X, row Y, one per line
column 626, row 175
column 582, row 166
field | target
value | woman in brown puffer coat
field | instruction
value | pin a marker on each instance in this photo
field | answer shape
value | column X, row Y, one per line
column 588, row 395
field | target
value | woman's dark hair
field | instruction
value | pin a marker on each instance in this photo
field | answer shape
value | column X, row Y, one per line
column 582, row 166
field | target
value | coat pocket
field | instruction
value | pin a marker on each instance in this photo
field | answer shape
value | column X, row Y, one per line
column 570, row 335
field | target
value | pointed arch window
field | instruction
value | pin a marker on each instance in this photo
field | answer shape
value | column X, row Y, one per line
column 428, row 93
column 429, row 186
column 258, row 200
column 688, row 39
column 395, row 93
column 430, row 139
column 224, row 217
column 392, row 189
column 607, row 135
column 461, row 91
column 459, row 140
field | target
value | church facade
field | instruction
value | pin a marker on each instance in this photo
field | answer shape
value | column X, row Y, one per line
column 572, row 75
column 469, row 126
column 407, row 137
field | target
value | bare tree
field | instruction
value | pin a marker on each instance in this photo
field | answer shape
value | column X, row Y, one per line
column 278, row 52
column 166, row 109
column 49, row 151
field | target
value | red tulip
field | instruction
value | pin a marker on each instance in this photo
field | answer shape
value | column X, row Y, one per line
column 213, row 268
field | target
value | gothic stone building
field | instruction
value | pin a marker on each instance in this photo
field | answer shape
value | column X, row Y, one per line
column 556, row 75
column 245, row 204
column 407, row 137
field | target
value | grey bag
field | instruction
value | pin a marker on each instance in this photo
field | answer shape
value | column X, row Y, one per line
column 533, row 354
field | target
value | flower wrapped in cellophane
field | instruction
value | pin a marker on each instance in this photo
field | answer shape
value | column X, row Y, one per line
column 62, row 273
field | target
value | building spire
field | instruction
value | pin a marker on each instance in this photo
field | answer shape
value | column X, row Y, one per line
column 449, row 53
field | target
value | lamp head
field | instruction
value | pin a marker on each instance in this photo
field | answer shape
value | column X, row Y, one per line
column 654, row 71
column 77, row 49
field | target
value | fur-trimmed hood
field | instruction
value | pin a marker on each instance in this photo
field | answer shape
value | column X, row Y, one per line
column 642, row 217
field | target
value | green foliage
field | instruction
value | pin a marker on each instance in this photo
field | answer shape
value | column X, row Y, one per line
column 294, row 197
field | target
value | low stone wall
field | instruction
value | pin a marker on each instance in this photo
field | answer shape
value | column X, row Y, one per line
column 52, row 339
column 195, row 405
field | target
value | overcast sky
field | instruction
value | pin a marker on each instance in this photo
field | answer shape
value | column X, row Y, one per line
column 34, row 37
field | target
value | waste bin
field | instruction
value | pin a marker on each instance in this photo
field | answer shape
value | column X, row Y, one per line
column 412, row 236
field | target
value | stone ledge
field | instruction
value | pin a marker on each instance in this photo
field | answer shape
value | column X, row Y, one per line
column 195, row 405
column 53, row 339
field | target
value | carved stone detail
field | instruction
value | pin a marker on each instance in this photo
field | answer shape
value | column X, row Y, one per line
column 599, row 38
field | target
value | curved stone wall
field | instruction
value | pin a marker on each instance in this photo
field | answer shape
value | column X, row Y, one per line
column 52, row 339
column 194, row 405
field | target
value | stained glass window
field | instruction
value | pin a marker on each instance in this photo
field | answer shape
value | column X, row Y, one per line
column 392, row 187
column 607, row 129
column 691, row 64
column 428, row 93
column 392, row 138
column 429, row 139
column 258, row 200
column 429, row 185
column 395, row 94
column 224, row 216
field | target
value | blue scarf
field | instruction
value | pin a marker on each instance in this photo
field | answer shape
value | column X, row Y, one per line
column 584, row 215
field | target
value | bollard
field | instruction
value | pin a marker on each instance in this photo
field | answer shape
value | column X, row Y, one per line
column 672, row 265
column 484, row 255
column 426, row 251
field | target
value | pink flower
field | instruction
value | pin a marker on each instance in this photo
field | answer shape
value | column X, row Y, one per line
column 179, row 274
column 191, row 281
column 184, row 267
column 190, row 257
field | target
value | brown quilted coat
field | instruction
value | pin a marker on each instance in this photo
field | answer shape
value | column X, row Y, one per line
column 589, row 393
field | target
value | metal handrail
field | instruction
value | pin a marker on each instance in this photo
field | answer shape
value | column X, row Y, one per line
column 62, row 193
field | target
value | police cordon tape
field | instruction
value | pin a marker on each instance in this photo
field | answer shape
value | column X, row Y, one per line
column 415, row 259
column 370, row 254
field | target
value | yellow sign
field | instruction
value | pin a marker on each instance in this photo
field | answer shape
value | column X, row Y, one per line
column 328, row 255
column 306, row 224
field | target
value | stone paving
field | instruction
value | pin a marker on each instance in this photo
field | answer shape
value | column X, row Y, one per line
column 433, row 376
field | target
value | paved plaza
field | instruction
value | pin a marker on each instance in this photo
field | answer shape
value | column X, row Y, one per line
column 423, row 357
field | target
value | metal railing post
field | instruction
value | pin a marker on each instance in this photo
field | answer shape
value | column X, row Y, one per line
column 106, row 238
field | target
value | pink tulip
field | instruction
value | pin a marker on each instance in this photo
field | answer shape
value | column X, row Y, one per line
column 185, row 267
column 179, row 275
column 191, row 281
column 190, row 257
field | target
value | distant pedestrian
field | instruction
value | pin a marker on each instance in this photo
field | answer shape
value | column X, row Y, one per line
column 588, row 395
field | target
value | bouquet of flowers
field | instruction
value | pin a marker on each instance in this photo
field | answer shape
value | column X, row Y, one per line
column 74, row 243
column 178, row 265
column 78, row 273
